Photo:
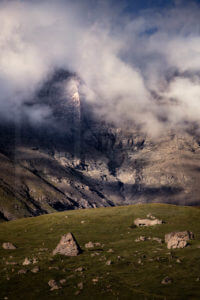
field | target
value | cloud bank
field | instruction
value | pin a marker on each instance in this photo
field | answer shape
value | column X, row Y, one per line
column 142, row 67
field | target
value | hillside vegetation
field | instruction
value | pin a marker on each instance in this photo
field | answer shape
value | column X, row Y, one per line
column 131, row 270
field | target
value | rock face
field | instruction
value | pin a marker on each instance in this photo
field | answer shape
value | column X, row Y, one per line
column 147, row 222
column 80, row 160
column 178, row 239
column 67, row 246
column 8, row 246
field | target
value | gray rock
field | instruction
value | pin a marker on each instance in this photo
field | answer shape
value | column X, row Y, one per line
column 178, row 239
column 147, row 222
column 53, row 285
column 26, row 262
column 62, row 281
column 35, row 270
column 67, row 246
column 110, row 251
column 89, row 245
column 8, row 246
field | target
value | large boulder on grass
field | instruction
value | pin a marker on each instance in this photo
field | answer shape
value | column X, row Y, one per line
column 67, row 246
column 147, row 222
column 178, row 239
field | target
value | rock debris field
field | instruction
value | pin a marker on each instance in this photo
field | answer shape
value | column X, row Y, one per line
column 103, row 253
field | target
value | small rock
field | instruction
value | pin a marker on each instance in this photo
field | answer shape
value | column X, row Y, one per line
column 97, row 244
column 8, row 246
column 166, row 280
column 35, row 270
column 62, row 281
column 53, row 268
column 53, row 285
column 109, row 262
column 82, row 222
column 95, row 254
column 110, row 251
column 89, row 245
column 95, row 280
column 26, row 262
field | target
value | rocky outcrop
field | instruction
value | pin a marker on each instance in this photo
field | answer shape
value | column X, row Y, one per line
column 178, row 239
column 67, row 246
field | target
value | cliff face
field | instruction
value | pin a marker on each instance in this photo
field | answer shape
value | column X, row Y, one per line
column 74, row 160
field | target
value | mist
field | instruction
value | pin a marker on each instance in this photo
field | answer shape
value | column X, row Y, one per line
column 142, row 67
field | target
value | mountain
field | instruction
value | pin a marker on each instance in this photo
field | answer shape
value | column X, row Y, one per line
column 74, row 159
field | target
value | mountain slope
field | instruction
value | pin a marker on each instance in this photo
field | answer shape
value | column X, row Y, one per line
column 75, row 160
column 136, row 269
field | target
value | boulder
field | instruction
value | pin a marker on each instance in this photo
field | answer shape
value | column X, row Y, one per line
column 147, row 222
column 67, row 246
column 8, row 246
column 178, row 239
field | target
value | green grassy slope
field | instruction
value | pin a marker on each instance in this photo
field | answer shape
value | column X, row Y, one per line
column 125, row 278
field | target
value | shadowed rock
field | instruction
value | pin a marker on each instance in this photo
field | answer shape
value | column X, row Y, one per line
column 178, row 239
column 67, row 246
column 147, row 222
column 166, row 280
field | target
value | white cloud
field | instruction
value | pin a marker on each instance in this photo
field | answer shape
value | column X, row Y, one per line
column 120, row 61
